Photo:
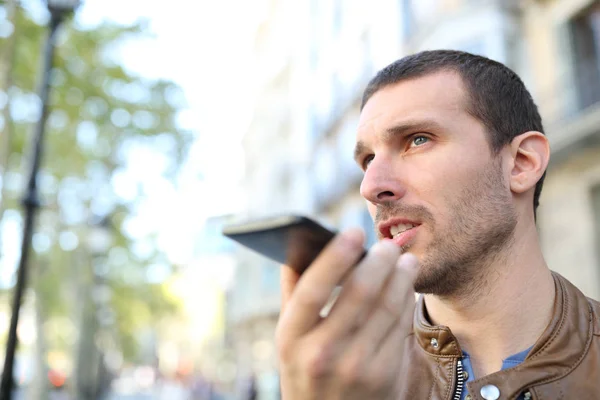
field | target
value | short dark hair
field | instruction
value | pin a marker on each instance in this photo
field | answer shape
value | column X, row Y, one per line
column 496, row 95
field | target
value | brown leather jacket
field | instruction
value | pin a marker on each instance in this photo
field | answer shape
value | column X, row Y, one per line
column 563, row 364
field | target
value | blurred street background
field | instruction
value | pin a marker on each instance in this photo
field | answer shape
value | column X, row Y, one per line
column 168, row 120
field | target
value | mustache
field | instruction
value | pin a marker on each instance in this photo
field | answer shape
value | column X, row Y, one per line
column 386, row 211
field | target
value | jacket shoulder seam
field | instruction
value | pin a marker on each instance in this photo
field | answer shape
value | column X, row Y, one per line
column 561, row 323
column 580, row 359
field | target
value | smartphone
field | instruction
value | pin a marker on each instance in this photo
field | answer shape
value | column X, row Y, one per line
column 293, row 240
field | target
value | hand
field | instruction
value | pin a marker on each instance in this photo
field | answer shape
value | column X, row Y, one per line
column 356, row 352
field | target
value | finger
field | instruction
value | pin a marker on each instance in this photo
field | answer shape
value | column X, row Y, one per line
column 318, row 281
column 388, row 351
column 403, row 326
column 361, row 291
column 289, row 279
column 384, row 369
column 395, row 302
column 410, row 264
column 386, row 362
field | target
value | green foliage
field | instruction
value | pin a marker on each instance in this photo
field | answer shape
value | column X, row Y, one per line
column 139, row 306
column 97, row 111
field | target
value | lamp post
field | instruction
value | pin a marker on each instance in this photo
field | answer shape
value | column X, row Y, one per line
column 59, row 9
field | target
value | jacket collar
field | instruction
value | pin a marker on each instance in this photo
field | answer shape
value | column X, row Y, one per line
column 436, row 340
column 557, row 352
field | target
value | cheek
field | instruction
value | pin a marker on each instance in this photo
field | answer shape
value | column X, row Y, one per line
column 447, row 172
column 437, row 181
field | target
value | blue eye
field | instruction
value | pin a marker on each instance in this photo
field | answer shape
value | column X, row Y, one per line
column 419, row 140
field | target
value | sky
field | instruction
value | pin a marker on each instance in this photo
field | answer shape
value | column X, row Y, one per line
column 205, row 47
column 200, row 45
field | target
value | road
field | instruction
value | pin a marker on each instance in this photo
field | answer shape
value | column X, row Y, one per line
column 20, row 394
column 140, row 396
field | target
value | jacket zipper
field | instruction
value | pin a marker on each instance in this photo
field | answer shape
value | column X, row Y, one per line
column 460, row 381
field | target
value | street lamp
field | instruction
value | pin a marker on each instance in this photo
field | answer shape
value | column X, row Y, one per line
column 59, row 9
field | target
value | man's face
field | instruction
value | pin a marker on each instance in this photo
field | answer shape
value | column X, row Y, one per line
column 431, row 181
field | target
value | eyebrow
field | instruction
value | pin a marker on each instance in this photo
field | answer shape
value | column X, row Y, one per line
column 397, row 130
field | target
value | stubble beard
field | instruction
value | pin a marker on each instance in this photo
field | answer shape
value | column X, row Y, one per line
column 458, row 259
column 480, row 230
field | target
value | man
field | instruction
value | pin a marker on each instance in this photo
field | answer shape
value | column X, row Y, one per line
column 454, row 157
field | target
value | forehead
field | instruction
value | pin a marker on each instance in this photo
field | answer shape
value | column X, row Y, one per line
column 439, row 96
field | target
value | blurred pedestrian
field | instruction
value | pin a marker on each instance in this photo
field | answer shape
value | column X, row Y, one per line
column 251, row 392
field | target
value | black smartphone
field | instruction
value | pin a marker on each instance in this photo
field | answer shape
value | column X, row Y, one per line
column 293, row 240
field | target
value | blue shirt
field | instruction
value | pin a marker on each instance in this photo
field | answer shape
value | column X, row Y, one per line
column 506, row 363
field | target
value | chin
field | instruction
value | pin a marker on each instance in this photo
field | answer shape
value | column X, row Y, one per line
column 414, row 249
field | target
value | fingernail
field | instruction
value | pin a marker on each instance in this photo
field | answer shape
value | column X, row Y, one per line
column 353, row 236
column 408, row 262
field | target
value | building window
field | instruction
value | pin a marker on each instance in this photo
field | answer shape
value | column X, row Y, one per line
column 585, row 37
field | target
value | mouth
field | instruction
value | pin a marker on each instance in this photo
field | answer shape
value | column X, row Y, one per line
column 399, row 231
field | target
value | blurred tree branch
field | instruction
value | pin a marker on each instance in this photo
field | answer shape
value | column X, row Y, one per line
column 99, row 112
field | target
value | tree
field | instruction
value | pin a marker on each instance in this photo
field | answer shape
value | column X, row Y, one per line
column 99, row 112
column 7, row 57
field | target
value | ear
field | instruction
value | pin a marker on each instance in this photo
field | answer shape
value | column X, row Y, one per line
column 530, row 152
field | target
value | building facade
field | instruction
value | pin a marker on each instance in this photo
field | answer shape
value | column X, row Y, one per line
column 563, row 40
column 273, row 183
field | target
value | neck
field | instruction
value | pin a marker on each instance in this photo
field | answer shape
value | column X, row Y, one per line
column 508, row 311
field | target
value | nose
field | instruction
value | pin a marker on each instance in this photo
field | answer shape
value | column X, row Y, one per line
column 382, row 182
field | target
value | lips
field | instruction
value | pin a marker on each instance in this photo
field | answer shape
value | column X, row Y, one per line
column 401, row 231
column 396, row 230
column 396, row 227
